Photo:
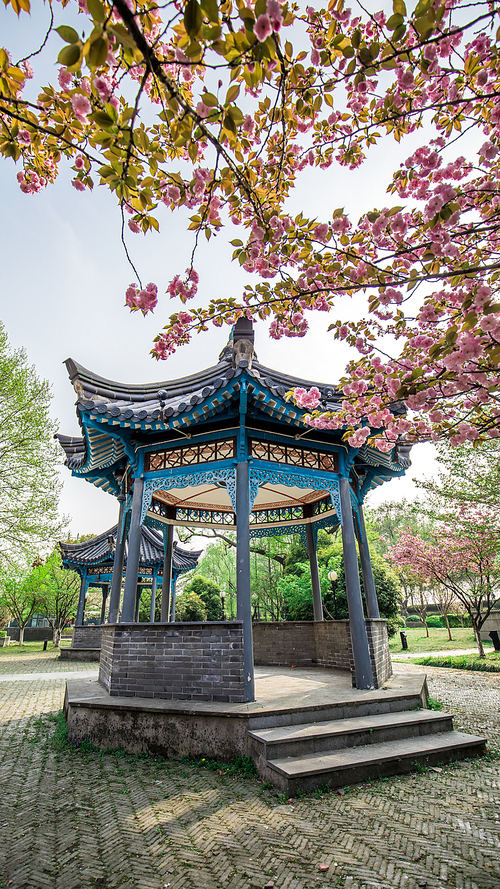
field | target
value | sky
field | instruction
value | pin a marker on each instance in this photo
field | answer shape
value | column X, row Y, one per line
column 64, row 276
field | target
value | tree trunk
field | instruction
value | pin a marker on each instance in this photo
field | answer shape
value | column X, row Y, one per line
column 445, row 615
column 478, row 640
column 56, row 637
column 21, row 635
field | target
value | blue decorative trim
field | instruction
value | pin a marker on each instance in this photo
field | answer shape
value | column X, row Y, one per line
column 183, row 481
column 291, row 479
column 257, row 531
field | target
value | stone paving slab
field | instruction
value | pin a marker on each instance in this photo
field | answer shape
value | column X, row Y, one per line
column 76, row 819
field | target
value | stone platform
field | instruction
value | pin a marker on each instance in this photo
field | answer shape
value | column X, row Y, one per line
column 85, row 644
column 312, row 714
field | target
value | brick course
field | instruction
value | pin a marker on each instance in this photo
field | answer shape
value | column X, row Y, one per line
column 181, row 661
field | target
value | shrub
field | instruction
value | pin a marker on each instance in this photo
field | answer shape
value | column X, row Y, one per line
column 189, row 606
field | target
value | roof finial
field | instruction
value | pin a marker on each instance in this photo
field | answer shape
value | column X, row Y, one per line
column 243, row 337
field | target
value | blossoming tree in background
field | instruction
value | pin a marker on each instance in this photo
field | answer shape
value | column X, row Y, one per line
column 463, row 558
column 220, row 106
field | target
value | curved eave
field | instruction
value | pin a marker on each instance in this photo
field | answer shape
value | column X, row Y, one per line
column 100, row 550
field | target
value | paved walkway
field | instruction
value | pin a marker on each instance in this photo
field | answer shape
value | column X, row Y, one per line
column 74, row 819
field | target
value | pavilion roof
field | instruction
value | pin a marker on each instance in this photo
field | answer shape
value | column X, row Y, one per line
column 110, row 412
column 101, row 549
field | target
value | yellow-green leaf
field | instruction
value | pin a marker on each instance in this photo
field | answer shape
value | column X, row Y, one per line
column 193, row 18
column 69, row 55
column 68, row 34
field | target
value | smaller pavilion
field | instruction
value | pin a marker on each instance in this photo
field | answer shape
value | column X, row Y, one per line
column 94, row 561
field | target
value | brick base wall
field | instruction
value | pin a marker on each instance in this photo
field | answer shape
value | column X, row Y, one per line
column 322, row 643
column 281, row 644
column 380, row 657
column 303, row 643
column 87, row 637
column 181, row 661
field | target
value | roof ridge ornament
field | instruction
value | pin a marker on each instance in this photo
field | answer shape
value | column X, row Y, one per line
column 243, row 337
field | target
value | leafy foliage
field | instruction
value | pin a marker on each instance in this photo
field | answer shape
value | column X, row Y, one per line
column 209, row 594
column 190, row 607
column 29, row 483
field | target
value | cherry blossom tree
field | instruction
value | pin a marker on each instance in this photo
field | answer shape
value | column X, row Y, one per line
column 220, row 106
column 463, row 558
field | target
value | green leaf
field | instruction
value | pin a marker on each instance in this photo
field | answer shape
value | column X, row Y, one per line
column 193, row 18
column 97, row 10
column 98, row 52
column 103, row 119
column 399, row 7
column 209, row 99
column 121, row 34
column 68, row 34
column 394, row 21
column 211, row 10
column 232, row 93
column 69, row 55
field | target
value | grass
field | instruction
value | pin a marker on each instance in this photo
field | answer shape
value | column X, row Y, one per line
column 489, row 664
column 16, row 650
column 463, row 637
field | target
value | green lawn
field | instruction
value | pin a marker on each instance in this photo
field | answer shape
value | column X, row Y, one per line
column 14, row 649
column 489, row 664
column 463, row 638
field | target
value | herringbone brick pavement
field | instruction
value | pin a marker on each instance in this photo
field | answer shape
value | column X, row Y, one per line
column 73, row 819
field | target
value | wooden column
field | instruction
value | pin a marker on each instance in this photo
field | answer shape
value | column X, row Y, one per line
column 168, row 540
column 359, row 638
column 80, row 611
column 134, row 554
column 315, row 582
column 366, row 568
column 105, row 591
column 153, row 597
column 243, row 586
column 173, row 599
column 116, row 582
column 137, row 602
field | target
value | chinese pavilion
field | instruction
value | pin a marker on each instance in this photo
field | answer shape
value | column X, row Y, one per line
column 94, row 559
column 223, row 448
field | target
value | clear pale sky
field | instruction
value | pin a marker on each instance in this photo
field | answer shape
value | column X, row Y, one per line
column 64, row 275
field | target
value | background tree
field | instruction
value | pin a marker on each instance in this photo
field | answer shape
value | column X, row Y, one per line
column 218, row 107
column 190, row 607
column 29, row 482
column 59, row 590
column 463, row 558
column 19, row 594
column 209, row 594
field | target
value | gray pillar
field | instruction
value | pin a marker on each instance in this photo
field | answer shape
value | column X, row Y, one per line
column 137, row 602
column 168, row 538
column 366, row 568
column 243, row 586
column 359, row 638
column 80, row 611
column 316, row 586
column 172, row 606
column 105, row 591
column 134, row 554
column 153, row 600
column 116, row 583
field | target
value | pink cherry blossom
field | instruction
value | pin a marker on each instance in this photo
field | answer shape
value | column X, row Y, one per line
column 263, row 28
column 81, row 107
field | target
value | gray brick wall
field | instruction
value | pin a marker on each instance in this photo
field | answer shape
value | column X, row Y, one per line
column 181, row 661
column 284, row 643
column 303, row 643
column 87, row 637
column 380, row 657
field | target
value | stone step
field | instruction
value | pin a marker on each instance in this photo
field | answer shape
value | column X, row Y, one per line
column 353, row 765
column 338, row 710
column 316, row 737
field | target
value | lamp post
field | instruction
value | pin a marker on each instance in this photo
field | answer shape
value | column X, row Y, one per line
column 333, row 577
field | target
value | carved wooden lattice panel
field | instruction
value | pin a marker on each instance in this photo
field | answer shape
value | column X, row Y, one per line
column 191, row 455
column 293, row 456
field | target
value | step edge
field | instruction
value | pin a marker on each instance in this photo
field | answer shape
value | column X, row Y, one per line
column 472, row 741
column 424, row 719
